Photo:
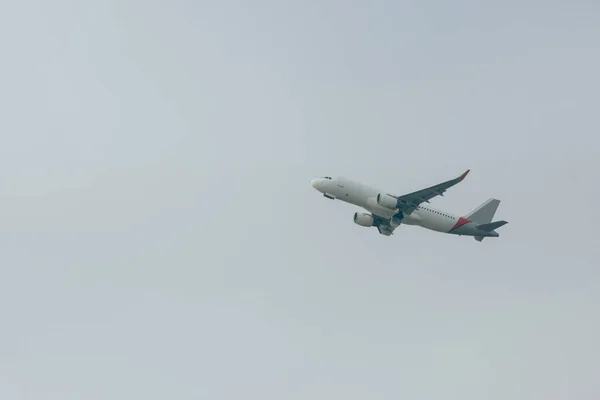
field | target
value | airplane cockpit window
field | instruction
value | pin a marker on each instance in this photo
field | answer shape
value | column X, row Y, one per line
column 327, row 177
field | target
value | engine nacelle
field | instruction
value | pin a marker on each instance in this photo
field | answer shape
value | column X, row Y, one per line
column 387, row 201
column 363, row 219
column 396, row 220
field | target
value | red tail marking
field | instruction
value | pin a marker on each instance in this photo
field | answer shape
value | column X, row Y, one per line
column 461, row 221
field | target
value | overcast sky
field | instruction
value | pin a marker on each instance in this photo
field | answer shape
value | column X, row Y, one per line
column 160, row 238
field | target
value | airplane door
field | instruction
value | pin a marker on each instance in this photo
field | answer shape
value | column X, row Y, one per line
column 342, row 188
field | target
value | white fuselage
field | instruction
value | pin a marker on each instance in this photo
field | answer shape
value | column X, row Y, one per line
column 365, row 196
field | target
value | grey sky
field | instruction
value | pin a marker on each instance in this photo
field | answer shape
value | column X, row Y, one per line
column 160, row 238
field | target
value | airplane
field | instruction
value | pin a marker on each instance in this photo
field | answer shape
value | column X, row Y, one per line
column 387, row 211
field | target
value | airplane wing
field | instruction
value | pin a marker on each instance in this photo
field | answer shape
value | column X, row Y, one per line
column 408, row 202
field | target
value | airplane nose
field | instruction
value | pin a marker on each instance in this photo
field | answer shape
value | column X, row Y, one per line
column 314, row 182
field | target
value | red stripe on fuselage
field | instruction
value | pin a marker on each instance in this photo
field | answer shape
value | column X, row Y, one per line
column 461, row 221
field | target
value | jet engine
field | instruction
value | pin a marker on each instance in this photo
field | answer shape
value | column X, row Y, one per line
column 387, row 201
column 363, row 219
column 396, row 220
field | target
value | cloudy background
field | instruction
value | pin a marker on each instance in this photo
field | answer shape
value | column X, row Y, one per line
column 160, row 238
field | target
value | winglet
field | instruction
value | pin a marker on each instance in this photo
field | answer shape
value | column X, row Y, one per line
column 464, row 174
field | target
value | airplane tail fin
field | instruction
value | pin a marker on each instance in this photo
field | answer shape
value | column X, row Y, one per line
column 485, row 212
column 483, row 216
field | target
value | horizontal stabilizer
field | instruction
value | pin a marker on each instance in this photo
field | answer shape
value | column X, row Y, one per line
column 492, row 226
